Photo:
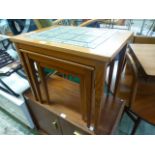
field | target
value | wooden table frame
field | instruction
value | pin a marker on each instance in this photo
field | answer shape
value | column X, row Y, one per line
column 91, row 86
column 98, row 75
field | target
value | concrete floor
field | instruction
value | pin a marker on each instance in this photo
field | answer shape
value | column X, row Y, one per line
column 11, row 126
column 126, row 125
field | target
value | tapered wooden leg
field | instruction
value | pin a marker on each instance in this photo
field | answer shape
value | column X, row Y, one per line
column 99, row 91
column 86, row 87
column 89, row 85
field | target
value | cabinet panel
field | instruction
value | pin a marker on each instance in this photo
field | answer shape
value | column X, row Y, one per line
column 70, row 129
column 45, row 120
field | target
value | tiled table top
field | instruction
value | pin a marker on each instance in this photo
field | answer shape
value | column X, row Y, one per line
column 79, row 36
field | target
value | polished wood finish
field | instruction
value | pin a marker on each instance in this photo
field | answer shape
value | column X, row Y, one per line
column 65, row 118
column 87, row 63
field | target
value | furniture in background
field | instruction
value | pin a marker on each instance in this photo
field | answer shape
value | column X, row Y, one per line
column 108, row 23
column 42, row 23
column 13, row 83
column 94, row 22
column 84, row 52
column 139, row 40
column 8, row 65
column 137, row 87
column 143, row 40
column 4, row 42
column 18, row 26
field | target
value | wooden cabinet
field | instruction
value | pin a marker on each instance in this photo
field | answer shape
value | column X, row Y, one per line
column 45, row 120
column 49, row 123
column 70, row 129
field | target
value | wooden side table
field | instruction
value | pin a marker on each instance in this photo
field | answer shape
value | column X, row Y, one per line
column 84, row 52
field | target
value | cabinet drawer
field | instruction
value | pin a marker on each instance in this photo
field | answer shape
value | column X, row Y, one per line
column 70, row 129
column 45, row 120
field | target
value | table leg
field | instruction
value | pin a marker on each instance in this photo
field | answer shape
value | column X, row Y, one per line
column 30, row 65
column 86, row 88
column 29, row 77
column 99, row 91
column 43, row 82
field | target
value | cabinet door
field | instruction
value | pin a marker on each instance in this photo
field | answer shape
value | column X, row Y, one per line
column 44, row 119
column 70, row 129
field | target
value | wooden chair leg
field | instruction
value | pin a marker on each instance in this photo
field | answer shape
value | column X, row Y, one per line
column 137, row 122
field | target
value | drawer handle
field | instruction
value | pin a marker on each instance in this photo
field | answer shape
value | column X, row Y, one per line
column 55, row 124
column 77, row 133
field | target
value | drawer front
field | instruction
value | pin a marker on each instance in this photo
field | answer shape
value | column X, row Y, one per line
column 44, row 119
column 70, row 129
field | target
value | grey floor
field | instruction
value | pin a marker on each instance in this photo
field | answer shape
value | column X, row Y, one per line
column 11, row 126
column 126, row 125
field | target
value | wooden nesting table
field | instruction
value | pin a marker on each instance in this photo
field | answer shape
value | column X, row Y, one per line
column 83, row 52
